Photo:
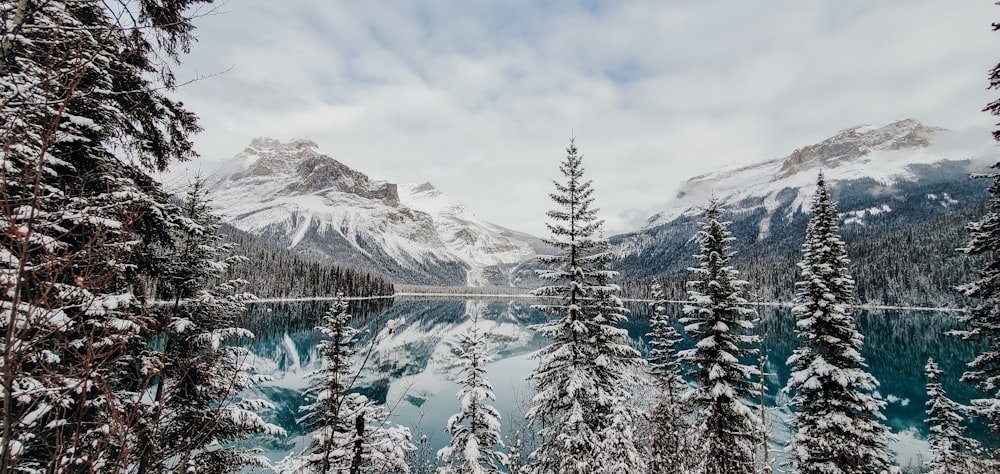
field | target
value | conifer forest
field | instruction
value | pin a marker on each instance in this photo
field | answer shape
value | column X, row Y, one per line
column 292, row 314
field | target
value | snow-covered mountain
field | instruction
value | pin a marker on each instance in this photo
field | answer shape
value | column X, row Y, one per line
column 295, row 195
column 886, row 154
column 893, row 184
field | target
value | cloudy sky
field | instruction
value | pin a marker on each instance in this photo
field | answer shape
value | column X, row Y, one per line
column 480, row 97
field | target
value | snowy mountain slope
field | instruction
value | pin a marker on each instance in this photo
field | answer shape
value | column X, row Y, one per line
column 482, row 245
column 305, row 200
column 904, row 197
column 886, row 154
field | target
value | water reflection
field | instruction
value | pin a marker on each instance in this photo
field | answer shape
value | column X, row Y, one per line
column 411, row 368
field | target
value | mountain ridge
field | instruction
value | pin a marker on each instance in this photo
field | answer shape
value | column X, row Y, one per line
column 890, row 180
column 884, row 153
column 904, row 198
column 302, row 199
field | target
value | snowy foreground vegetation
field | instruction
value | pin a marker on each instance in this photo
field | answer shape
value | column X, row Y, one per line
column 123, row 351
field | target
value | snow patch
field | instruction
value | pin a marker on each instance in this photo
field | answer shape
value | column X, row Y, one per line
column 857, row 217
column 890, row 398
column 944, row 199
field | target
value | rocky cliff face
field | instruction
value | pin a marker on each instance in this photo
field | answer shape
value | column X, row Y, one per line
column 266, row 158
column 855, row 143
column 303, row 199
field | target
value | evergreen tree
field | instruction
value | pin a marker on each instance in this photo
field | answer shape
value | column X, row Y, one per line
column 994, row 107
column 350, row 432
column 983, row 319
column 837, row 421
column 584, row 375
column 195, row 411
column 85, row 117
column 618, row 450
column 953, row 453
column 475, row 430
column 325, row 416
column 376, row 445
column 718, row 320
column 669, row 445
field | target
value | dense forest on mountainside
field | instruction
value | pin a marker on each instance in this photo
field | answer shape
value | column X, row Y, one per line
column 280, row 273
column 908, row 256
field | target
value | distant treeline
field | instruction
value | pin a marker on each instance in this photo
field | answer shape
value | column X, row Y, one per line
column 463, row 290
column 279, row 273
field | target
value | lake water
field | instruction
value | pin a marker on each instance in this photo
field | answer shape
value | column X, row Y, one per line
column 412, row 368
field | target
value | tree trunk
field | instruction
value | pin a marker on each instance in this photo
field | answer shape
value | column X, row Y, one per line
column 8, row 42
column 359, row 441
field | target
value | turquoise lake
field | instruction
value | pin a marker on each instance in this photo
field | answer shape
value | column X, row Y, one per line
column 412, row 367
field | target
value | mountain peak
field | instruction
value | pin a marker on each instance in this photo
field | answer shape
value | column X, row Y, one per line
column 885, row 154
column 302, row 144
column 264, row 143
column 303, row 199
column 424, row 187
column 303, row 169
column 856, row 142
column 268, row 156
column 266, row 147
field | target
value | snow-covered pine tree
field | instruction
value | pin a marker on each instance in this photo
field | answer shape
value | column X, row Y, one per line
column 325, row 415
column 329, row 448
column 475, row 429
column 376, row 445
column 587, row 369
column 837, row 423
column 85, row 117
column 201, row 373
column 350, row 432
column 669, row 443
column 952, row 452
column 983, row 319
column 994, row 83
column 719, row 321
column 619, row 450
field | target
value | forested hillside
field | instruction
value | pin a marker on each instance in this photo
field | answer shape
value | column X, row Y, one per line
column 279, row 273
column 904, row 256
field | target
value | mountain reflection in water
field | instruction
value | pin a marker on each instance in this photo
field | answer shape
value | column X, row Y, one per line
column 412, row 369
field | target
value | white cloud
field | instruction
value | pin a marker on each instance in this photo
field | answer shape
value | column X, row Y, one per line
column 480, row 97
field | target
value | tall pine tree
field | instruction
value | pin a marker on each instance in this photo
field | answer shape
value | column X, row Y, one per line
column 837, row 421
column 719, row 321
column 325, row 416
column 583, row 379
column 196, row 413
column 85, row 117
column 983, row 319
